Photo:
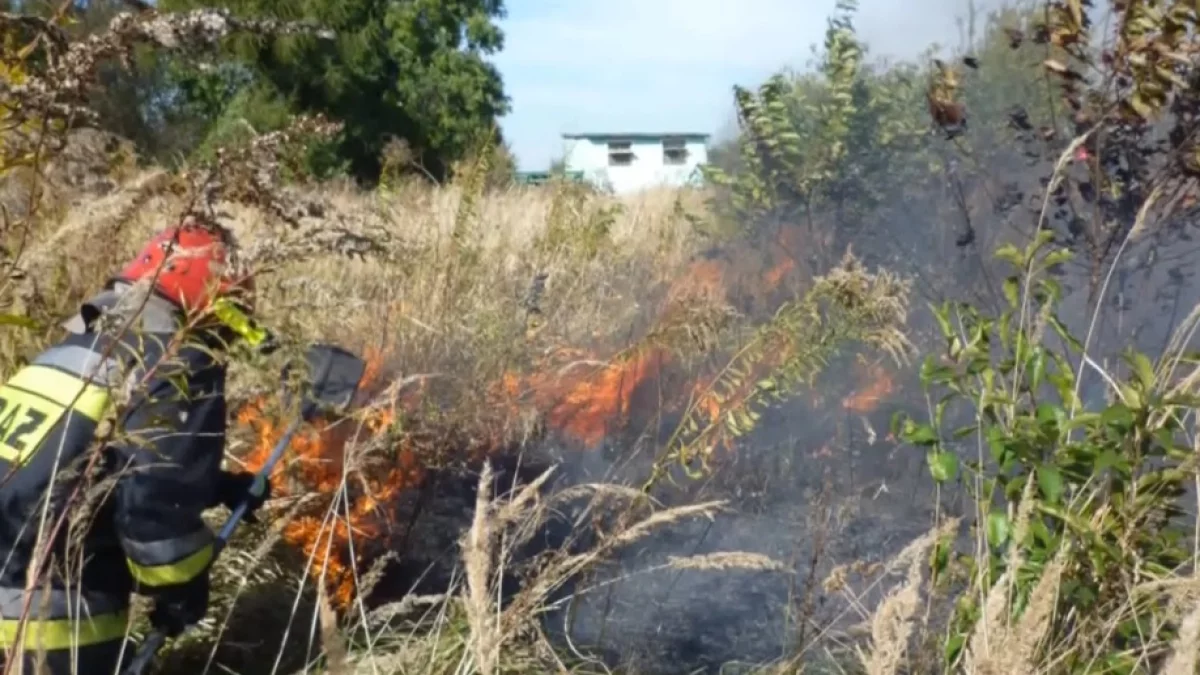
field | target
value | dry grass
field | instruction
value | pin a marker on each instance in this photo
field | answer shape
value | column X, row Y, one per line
column 443, row 294
column 892, row 624
column 456, row 293
column 452, row 291
column 494, row 638
column 445, row 298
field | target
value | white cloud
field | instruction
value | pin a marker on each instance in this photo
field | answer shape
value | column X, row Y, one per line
column 669, row 64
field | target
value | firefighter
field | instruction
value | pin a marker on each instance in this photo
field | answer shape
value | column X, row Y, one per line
column 127, row 518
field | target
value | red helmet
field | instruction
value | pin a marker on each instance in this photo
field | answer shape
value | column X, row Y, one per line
column 197, row 271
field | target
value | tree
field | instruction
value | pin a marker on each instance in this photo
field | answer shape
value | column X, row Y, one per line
column 848, row 152
column 414, row 71
column 162, row 103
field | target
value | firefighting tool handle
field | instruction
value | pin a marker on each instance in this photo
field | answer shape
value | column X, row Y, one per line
column 334, row 377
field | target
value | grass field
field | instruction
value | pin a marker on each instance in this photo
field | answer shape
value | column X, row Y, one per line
column 496, row 324
column 604, row 435
column 574, row 335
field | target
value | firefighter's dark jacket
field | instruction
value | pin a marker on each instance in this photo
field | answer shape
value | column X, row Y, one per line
column 155, row 478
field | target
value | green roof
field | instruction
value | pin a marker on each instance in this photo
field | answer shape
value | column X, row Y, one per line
column 536, row 177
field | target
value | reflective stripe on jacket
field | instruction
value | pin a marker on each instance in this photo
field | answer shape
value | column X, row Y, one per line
column 68, row 384
column 169, row 562
column 61, row 618
column 162, row 466
column 170, row 473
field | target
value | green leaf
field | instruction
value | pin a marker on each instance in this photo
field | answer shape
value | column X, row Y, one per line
column 997, row 528
column 1015, row 487
column 1064, row 383
column 1106, row 459
column 1143, row 370
column 1133, row 396
column 942, row 314
column 989, row 380
column 1011, row 254
column 918, row 434
column 1063, row 332
column 1012, row 290
column 939, row 411
column 1165, row 437
column 998, row 444
column 933, row 373
column 1048, row 414
column 1049, row 291
column 979, row 363
column 1118, row 416
column 1041, row 532
column 964, row 431
column 1005, row 329
column 1082, row 419
column 940, row 559
column 1050, row 481
column 956, row 347
column 1040, row 239
column 953, row 646
column 1037, row 369
column 943, row 466
column 1056, row 257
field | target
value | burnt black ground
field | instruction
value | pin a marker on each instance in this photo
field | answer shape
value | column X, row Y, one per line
column 674, row 622
column 875, row 499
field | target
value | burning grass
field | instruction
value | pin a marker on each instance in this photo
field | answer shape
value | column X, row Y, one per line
column 580, row 396
column 455, row 377
column 505, row 324
column 471, row 357
column 630, row 325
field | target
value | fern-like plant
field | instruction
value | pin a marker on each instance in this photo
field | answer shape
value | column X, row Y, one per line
column 847, row 306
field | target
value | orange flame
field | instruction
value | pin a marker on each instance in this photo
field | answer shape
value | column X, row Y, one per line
column 588, row 408
column 704, row 279
column 778, row 273
column 576, row 396
column 319, row 467
column 867, row 398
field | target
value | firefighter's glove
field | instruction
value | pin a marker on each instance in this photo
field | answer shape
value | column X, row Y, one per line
column 177, row 607
column 235, row 488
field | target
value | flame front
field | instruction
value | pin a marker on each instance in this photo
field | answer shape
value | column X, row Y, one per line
column 879, row 386
column 316, row 468
column 586, row 401
column 578, row 396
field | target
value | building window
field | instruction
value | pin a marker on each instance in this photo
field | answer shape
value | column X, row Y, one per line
column 674, row 151
column 620, row 153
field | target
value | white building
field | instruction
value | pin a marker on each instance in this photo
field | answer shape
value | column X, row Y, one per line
column 636, row 161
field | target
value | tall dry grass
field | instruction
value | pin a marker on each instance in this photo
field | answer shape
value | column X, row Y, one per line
column 443, row 287
column 442, row 295
column 447, row 290
column 451, row 289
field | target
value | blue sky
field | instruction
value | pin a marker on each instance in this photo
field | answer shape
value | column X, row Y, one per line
column 668, row 65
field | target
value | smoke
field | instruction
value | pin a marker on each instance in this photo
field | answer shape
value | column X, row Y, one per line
column 818, row 486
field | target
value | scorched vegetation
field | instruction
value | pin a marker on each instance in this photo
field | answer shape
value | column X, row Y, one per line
column 907, row 388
